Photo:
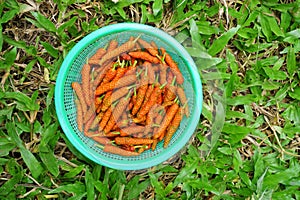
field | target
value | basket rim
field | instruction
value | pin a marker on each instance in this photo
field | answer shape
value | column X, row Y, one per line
column 92, row 37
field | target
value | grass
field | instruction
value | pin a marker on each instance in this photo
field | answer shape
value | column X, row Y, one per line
column 246, row 145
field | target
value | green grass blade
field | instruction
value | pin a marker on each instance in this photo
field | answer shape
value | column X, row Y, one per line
column 33, row 164
column 157, row 6
column 222, row 41
column 291, row 62
column 89, row 182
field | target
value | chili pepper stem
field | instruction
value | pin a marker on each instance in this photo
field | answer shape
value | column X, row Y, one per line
column 129, row 94
column 160, row 58
column 173, row 81
column 155, row 125
column 185, row 104
column 163, row 58
column 99, row 146
column 136, row 39
column 175, row 100
column 139, row 73
column 162, row 86
column 115, row 103
column 115, row 132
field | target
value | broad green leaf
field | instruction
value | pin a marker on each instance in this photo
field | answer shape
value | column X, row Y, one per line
column 282, row 7
column 237, row 160
column 222, row 41
column 194, row 31
column 76, row 188
column 24, row 103
column 182, row 36
column 33, row 164
column 10, row 56
column 157, row 6
column 205, row 63
column 235, row 133
column 77, row 197
column 74, row 172
column 270, row 85
column 294, row 33
column 198, row 52
column 144, row 14
column 245, row 178
column 285, row 20
column 214, row 76
column 123, row 3
column 206, row 112
column 253, row 48
column 8, row 16
column 30, row 66
column 121, row 12
column 50, row 95
column 3, row 161
column 241, row 100
column 6, row 146
column 44, row 22
column 259, row 189
column 1, row 38
column 10, row 184
column 155, row 19
column 247, row 33
column 225, row 150
column 157, row 185
column 50, row 49
column 67, row 24
column 281, row 94
column 49, row 135
column 291, row 62
column 186, row 172
column 236, row 114
column 205, row 28
column 252, row 17
column 97, row 172
column 292, row 113
column 265, row 26
column 168, row 169
column 102, row 188
column 282, row 177
column 30, row 49
column 24, row 126
column 50, row 162
column 295, row 94
column 7, row 111
column 278, row 64
column 288, row 193
column 47, row 119
column 178, row 7
column 275, row 74
column 204, row 185
column 11, row 4
column 89, row 182
column 213, row 10
column 217, row 124
column 274, row 26
column 231, row 85
column 240, row 16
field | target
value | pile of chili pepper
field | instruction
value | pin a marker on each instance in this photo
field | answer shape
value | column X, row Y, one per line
column 130, row 97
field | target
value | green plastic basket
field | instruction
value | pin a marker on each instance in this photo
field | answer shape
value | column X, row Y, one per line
column 70, row 71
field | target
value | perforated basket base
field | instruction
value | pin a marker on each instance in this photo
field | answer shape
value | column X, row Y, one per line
column 70, row 72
